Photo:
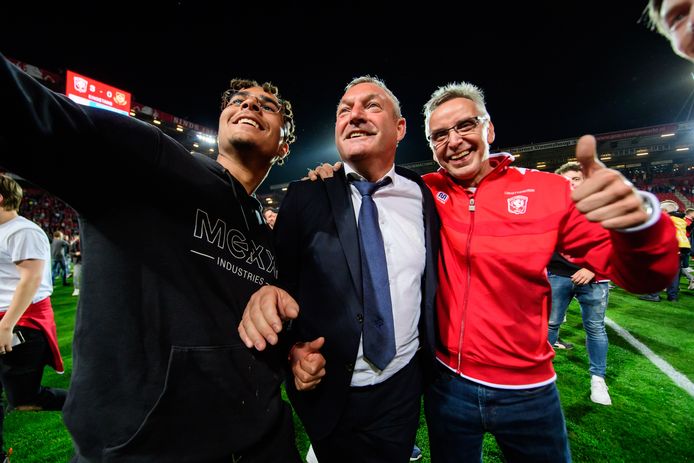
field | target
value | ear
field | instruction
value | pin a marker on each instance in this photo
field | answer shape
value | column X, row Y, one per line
column 490, row 133
column 283, row 149
column 401, row 128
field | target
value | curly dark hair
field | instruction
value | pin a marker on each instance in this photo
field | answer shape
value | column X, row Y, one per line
column 288, row 131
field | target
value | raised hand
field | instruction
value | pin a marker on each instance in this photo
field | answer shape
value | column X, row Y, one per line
column 605, row 196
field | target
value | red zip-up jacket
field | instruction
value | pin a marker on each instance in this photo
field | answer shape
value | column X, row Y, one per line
column 494, row 300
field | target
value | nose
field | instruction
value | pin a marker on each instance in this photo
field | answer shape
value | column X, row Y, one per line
column 251, row 103
column 356, row 115
column 454, row 139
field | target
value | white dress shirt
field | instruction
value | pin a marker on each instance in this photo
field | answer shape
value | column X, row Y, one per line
column 401, row 219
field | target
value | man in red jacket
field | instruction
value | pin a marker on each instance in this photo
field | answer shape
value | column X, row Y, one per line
column 500, row 226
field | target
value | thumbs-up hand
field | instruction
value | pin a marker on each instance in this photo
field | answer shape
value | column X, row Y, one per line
column 605, row 196
column 307, row 363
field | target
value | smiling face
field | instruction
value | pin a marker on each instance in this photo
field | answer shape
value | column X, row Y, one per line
column 463, row 156
column 252, row 122
column 367, row 129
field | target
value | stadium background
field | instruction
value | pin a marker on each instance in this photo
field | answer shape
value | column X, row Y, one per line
column 641, row 116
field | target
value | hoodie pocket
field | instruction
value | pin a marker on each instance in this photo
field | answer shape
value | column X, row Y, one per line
column 215, row 401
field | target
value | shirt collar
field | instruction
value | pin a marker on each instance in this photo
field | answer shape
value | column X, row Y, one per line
column 353, row 174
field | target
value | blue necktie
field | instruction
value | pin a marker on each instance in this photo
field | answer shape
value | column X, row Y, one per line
column 378, row 330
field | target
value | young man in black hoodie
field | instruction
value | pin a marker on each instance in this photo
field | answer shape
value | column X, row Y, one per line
column 175, row 245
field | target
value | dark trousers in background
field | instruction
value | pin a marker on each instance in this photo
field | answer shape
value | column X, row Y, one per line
column 379, row 423
column 21, row 372
column 59, row 269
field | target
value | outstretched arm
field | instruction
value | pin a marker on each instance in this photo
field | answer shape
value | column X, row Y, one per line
column 635, row 245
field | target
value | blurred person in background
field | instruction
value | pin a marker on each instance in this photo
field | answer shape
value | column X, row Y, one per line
column 59, row 255
column 673, row 290
column 26, row 313
column 270, row 214
column 76, row 256
column 569, row 281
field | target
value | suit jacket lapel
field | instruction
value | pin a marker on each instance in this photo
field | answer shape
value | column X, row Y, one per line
column 339, row 194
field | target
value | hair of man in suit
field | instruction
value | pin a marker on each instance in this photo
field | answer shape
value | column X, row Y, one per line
column 367, row 79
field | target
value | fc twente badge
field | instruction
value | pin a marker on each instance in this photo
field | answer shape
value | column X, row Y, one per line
column 517, row 204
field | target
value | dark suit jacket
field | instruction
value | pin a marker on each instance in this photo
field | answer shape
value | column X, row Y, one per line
column 319, row 264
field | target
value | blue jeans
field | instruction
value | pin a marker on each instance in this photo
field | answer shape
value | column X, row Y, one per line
column 593, row 301
column 528, row 424
column 59, row 269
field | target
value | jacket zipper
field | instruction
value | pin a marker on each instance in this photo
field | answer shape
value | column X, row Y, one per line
column 471, row 208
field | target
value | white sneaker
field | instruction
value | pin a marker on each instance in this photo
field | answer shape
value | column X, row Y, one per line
column 598, row 391
column 311, row 456
column 691, row 285
column 76, row 292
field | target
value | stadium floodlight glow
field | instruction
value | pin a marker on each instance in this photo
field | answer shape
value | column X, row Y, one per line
column 179, row 128
column 195, row 145
column 665, row 135
column 684, row 148
column 207, row 139
column 211, row 150
column 642, row 153
column 156, row 121
column 284, row 189
column 606, row 157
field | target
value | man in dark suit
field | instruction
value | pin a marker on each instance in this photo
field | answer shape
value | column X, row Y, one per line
column 366, row 407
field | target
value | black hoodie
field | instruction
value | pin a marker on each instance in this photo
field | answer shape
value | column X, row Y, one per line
column 173, row 249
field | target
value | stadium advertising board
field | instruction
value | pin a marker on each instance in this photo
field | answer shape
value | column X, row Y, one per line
column 89, row 92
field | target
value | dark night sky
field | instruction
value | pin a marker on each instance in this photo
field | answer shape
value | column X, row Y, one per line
column 551, row 70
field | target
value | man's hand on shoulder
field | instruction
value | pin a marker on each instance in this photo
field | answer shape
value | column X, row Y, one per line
column 323, row 171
